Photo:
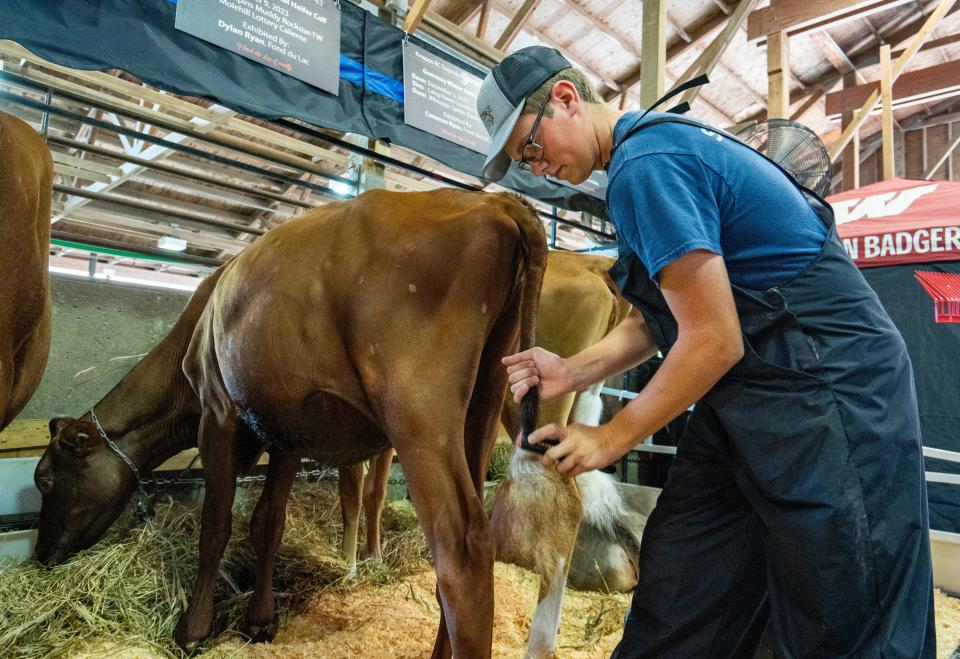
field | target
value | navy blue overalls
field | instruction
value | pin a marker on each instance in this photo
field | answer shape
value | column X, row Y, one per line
column 797, row 494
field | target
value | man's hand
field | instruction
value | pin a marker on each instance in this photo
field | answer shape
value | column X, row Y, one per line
column 536, row 366
column 581, row 448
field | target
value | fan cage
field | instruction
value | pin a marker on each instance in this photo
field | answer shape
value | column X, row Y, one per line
column 794, row 147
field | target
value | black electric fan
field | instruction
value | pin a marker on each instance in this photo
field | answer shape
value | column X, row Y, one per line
column 794, row 147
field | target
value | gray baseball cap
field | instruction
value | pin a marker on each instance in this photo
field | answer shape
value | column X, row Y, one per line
column 503, row 94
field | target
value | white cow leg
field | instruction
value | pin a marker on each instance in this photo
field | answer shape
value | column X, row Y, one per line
column 546, row 619
column 589, row 406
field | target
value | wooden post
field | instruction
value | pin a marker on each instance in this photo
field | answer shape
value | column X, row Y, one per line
column 886, row 98
column 778, row 75
column 653, row 51
column 850, row 164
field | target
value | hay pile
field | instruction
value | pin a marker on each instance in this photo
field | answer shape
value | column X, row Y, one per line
column 123, row 597
column 133, row 585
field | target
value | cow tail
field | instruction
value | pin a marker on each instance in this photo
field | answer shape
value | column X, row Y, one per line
column 534, row 245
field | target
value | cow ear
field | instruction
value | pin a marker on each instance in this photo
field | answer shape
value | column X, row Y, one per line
column 57, row 423
column 79, row 442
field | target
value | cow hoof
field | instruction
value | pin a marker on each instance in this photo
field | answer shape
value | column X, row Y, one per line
column 188, row 635
column 263, row 633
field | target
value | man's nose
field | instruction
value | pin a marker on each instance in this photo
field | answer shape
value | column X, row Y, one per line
column 539, row 167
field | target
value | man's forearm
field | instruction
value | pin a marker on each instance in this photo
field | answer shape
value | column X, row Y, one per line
column 628, row 344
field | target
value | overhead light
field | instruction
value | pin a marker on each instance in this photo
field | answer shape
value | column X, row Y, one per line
column 172, row 243
column 341, row 188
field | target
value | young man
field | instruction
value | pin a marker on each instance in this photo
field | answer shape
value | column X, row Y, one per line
column 797, row 495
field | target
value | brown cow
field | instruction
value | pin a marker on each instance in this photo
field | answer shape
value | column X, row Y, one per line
column 579, row 304
column 365, row 324
column 150, row 415
column 537, row 513
column 26, row 180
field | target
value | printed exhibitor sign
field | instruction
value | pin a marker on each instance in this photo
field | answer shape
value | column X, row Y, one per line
column 300, row 38
column 440, row 98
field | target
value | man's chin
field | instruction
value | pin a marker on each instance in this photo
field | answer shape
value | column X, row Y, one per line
column 575, row 179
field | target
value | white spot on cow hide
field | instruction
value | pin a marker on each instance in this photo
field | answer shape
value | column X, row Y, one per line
column 361, row 280
column 413, row 288
column 483, row 308
column 602, row 503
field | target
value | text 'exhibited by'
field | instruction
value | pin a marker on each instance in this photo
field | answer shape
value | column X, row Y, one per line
column 302, row 39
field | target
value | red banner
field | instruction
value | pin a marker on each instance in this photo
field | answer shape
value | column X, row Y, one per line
column 900, row 221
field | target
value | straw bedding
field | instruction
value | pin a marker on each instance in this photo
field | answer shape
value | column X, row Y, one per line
column 122, row 598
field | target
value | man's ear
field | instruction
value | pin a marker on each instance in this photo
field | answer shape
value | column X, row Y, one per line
column 79, row 442
column 565, row 93
column 57, row 423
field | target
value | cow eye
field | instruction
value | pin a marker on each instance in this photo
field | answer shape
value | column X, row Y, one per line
column 45, row 484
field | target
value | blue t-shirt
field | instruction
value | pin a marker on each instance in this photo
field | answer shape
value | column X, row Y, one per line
column 674, row 188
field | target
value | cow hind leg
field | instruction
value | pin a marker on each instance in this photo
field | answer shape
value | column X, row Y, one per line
column 218, row 447
column 266, row 531
column 457, row 532
column 546, row 619
column 374, row 496
column 350, row 484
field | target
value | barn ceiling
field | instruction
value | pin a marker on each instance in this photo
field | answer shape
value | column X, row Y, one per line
column 134, row 163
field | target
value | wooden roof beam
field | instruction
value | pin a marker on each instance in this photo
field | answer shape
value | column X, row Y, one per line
column 724, row 7
column 799, row 16
column 863, row 54
column 484, row 19
column 834, row 53
column 837, row 148
column 696, row 33
column 910, row 88
column 516, row 24
column 412, row 20
column 711, row 55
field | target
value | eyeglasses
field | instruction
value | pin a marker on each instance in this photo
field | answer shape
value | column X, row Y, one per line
column 531, row 151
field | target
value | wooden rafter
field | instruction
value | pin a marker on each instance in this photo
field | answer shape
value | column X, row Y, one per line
column 919, row 86
column 696, row 33
column 724, row 7
column 897, row 69
column 798, row 16
column 862, row 54
column 834, row 53
column 484, row 19
column 412, row 20
column 711, row 55
column 516, row 23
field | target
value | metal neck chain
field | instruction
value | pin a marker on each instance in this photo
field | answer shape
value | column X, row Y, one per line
column 142, row 511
